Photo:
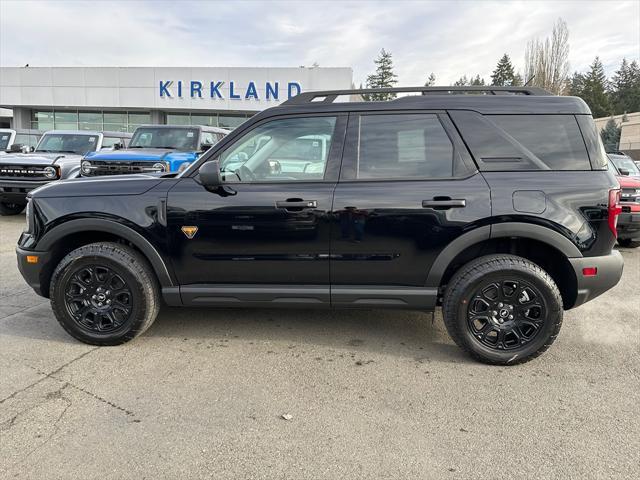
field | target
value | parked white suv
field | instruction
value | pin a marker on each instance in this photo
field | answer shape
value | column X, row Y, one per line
column 57, row 156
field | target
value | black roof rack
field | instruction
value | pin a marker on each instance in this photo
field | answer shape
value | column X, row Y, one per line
column 329, row 96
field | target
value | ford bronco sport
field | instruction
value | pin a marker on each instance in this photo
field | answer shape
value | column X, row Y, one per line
column 57, row 156
column 496, row 205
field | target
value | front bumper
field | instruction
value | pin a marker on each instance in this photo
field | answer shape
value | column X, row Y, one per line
column 608, row 275
column 16, row 192
column 629, row 226
column 34, row 273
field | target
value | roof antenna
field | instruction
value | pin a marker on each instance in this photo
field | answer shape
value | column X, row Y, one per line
column 528, row 81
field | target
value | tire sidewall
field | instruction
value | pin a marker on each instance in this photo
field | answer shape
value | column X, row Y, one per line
column 58, row 288
column 552, row 307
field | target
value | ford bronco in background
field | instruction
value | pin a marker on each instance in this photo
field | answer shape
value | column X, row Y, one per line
column 155, row 148
column 56, row 156
column 497, row 206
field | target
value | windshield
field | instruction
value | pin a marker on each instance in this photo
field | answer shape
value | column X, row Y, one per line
column 4, row 140
column 174, row 138
column 627, row 164
column 68, row 143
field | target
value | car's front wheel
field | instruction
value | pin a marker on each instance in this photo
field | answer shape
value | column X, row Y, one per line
column 503, row 309
column 104, row 294
column 7, row 208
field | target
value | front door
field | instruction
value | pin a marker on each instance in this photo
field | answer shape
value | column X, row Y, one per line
column 408, row 188
column 268, row 226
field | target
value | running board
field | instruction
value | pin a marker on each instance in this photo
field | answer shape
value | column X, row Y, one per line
column 304, row 296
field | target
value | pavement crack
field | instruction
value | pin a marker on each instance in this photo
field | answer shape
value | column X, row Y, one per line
column 47, row 375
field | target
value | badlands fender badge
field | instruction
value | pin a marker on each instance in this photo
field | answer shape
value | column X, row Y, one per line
column 189, row 231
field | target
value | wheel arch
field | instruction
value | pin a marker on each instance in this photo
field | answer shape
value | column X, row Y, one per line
column 543, row 246
column 74, row 233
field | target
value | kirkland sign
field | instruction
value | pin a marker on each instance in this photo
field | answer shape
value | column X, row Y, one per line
column 218, row 90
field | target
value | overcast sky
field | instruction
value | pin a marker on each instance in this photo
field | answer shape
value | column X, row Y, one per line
column 445, row 37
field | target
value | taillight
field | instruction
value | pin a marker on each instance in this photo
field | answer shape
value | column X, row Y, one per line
column 614, row 210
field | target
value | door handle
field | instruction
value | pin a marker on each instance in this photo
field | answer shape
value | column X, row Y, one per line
column 297, row 204
column 444, row 203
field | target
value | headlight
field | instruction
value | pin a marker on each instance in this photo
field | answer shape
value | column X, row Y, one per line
column 85, row 166
column 159, row 167
column 28, row 215
column 50, row 172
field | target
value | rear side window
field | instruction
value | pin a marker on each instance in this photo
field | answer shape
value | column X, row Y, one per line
column 403, row 146
column 524, row 142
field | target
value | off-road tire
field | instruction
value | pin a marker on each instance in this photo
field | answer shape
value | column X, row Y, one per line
column 7, row 208
column 132, row 267
column 498, row 268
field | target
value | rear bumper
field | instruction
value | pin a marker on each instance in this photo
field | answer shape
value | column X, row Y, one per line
column 33, row 272
column 609, row 274
column 629, row 225
column 16, row 192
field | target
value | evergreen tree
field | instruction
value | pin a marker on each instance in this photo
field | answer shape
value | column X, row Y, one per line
column 624, row 91
column 576, row 85
column 611, row 136
column 504, row 75
column 594, row 90
column 382, row 78
column 431, row 81
column 463, row 81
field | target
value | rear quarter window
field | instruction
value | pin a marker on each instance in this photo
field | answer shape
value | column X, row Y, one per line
column 524, row 142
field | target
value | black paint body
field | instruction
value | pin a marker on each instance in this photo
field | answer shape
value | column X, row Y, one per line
column 367, row 243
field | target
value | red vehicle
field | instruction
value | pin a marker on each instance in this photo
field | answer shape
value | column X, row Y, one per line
column 629, row 220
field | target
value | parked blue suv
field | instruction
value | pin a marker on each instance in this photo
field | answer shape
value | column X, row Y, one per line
column 154, row 148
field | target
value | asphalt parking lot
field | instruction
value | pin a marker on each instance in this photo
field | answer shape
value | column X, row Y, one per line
column 371, row 394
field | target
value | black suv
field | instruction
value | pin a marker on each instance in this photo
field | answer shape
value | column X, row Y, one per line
column 495, row 203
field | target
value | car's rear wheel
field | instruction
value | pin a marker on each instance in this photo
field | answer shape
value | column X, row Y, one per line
column 7, row 208
column 503, row 309
column 104, row 294
column 628, row 243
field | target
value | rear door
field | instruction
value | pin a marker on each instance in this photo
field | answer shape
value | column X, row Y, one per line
column 407, row 188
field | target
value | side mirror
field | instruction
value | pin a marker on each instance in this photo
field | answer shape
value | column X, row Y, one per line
column 624, row 171
column 118, row 146
column 16, row 148
column 210, row 174
column 205, row 146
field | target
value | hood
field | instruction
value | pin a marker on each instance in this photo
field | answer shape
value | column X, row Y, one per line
column 141, row 155
column 38, row 158
column 98, row 186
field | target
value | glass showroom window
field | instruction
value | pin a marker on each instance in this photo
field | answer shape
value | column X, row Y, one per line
column 138, row 118
column 115, row 121
column 178, row 119
column 231, row 122
column 42, row 120
column 65, row 120
column 90, row 121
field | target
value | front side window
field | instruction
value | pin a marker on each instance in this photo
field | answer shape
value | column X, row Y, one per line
column 403, row 147
column 294, row 149
column 162, row 137
column 109, row 142
column 68, row 143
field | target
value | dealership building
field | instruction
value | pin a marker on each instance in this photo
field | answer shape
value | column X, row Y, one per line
column 121, row 98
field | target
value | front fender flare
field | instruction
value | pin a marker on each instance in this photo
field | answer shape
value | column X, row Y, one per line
column 109, row 226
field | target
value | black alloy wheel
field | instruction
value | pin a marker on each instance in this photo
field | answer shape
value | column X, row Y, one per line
column 507, row 314
column 98, row 299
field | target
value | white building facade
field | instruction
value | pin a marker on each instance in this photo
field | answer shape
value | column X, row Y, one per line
column 121, row 98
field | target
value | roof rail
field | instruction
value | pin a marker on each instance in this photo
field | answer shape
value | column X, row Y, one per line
column 329, row 96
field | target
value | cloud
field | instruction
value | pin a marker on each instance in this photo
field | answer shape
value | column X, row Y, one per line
column 450, row 39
